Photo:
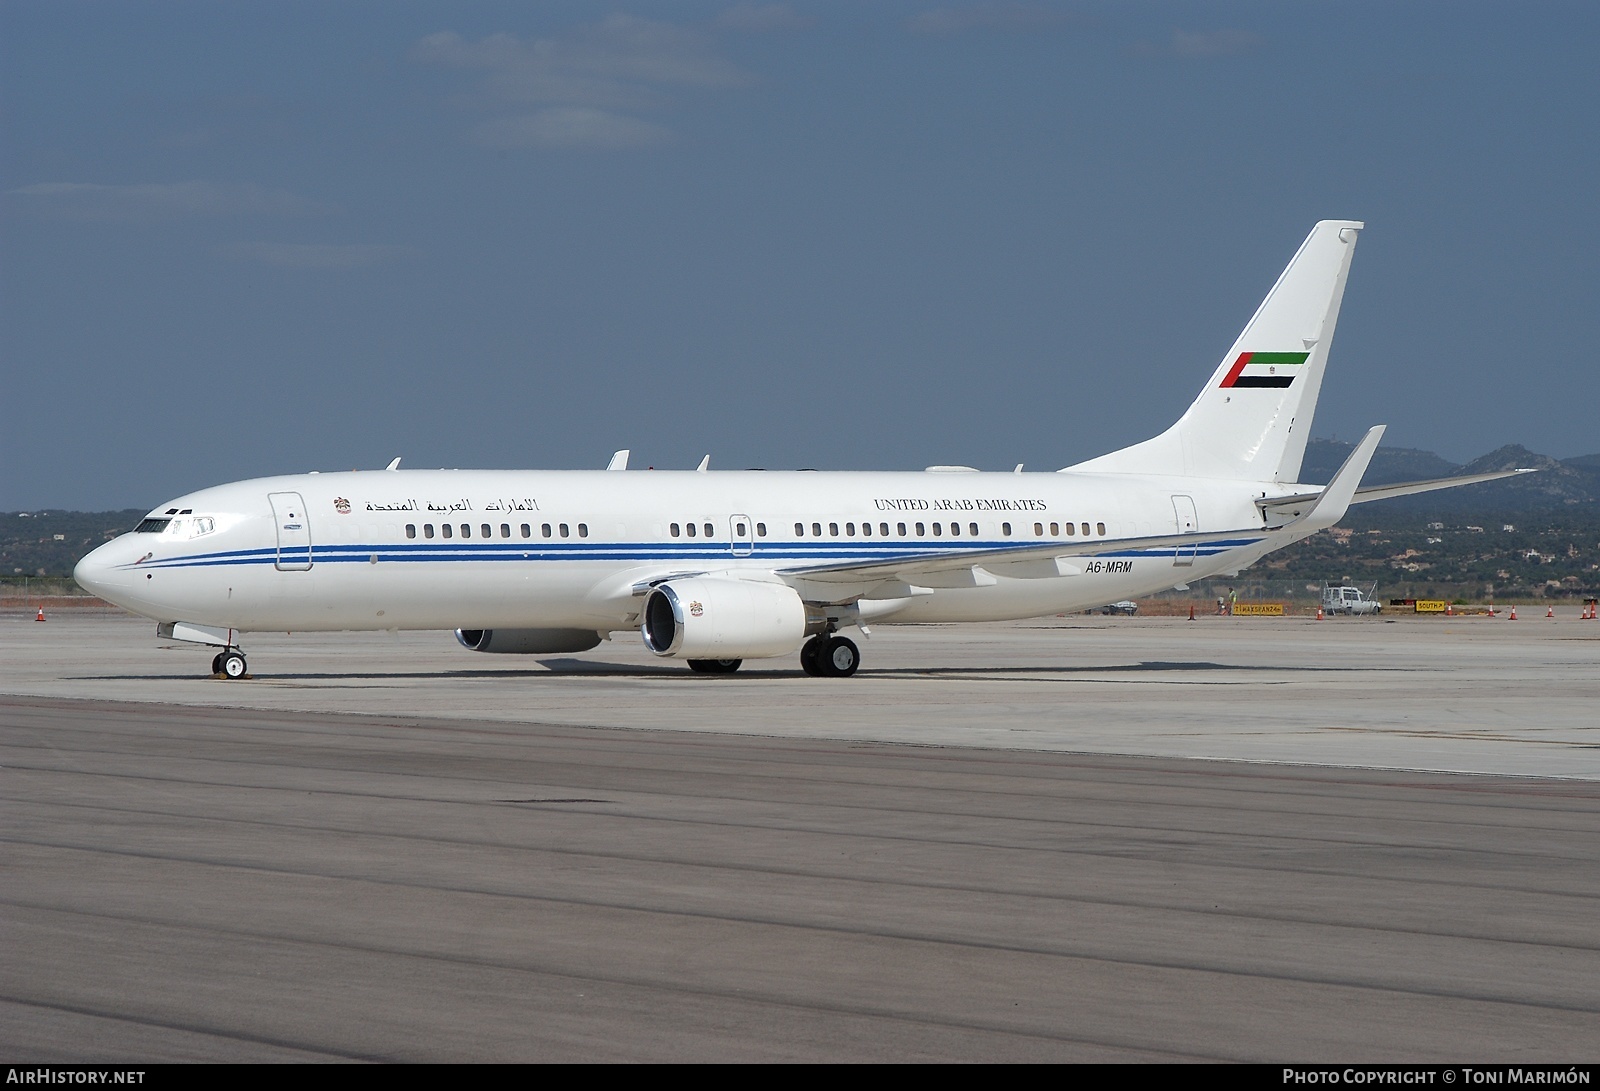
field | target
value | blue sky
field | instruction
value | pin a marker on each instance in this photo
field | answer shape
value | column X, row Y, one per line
column 239, row 239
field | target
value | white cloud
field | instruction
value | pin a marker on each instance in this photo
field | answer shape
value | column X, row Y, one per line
column 570, row 127
column 991, row 16
column 760, row 19
column 1203, row 43
column 164, row 200
column 584, row 80
column 316, row 256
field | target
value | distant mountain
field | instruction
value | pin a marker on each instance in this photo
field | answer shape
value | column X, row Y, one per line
column 1583, row 462
column 1559, row 483
column 1389, row 464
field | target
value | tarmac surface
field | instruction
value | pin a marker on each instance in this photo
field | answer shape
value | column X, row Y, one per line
column 994, row 843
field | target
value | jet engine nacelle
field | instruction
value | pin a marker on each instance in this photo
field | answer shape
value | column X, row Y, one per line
column 528, row 641
column 710, row 618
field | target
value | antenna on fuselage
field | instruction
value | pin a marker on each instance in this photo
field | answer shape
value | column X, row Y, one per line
column 705, row 464
column 395, row 465
column 619, row 461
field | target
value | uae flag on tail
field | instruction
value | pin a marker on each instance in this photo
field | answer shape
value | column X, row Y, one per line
column 1264, row 369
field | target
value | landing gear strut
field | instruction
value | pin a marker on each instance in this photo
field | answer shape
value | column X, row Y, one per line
column 830, row 656
column 230, row 663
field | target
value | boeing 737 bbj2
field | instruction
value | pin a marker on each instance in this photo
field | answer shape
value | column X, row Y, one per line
column 716, row 568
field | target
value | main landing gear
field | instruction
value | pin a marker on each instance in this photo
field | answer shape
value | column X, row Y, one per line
column 830, row 656
column 229, row 663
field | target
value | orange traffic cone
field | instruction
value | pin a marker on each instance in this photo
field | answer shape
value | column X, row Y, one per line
column 1447, row 611
column 1551, row 612
column 1191, row 611
column 1513, row 616
column 1319, row 613
column 41, row 614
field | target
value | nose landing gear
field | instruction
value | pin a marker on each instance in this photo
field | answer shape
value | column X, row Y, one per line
column 229, row 663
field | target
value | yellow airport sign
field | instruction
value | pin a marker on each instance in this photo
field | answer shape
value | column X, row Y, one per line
column 1258, row 609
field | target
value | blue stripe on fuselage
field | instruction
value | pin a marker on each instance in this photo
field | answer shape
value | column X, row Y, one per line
column 817, row 552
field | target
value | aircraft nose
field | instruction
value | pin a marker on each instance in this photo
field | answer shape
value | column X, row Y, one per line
column 91, row 571
column 107, row 573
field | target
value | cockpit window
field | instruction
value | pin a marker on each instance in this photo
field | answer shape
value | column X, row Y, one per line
column 181, row 527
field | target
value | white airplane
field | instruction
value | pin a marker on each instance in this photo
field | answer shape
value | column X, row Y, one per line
column 716, row 568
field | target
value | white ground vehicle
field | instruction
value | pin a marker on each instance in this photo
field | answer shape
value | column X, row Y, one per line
column 1344, row 599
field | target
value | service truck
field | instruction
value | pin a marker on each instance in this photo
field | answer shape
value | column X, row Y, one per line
column 1344, row 599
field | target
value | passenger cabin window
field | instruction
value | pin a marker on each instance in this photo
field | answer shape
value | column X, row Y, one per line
column 1086, row 528
column 544, row 530
column 799, row 530
column 488, row 531
column 1100, row 529
column 709, row 531
column 936, row 531
column 816, row 530
column 427, row 530
column 583, row 530
column 850, row 530
column 466, row 530
column 972, row 529
column 673, row 530
column 1005, row 529
column 833, row 530
column 921, row 530
column 564, row 531
column 505, row 530
column 448, row 532
column 527, row 531
column 691, row 530
column 761, row 530
column 411, row 530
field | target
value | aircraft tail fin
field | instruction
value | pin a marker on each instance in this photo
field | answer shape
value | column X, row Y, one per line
column 1253, row 418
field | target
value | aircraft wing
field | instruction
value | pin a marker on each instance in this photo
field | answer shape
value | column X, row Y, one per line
column 955, row 567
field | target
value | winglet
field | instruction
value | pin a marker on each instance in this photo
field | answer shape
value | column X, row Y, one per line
column 619, row 461
column 1335, row 499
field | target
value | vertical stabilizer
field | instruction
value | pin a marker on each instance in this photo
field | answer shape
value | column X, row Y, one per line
column 1252, row 419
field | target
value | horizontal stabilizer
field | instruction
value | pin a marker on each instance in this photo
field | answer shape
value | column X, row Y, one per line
column 1283, row 508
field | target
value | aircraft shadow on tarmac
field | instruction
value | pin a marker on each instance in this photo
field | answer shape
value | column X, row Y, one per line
column 593, row 668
